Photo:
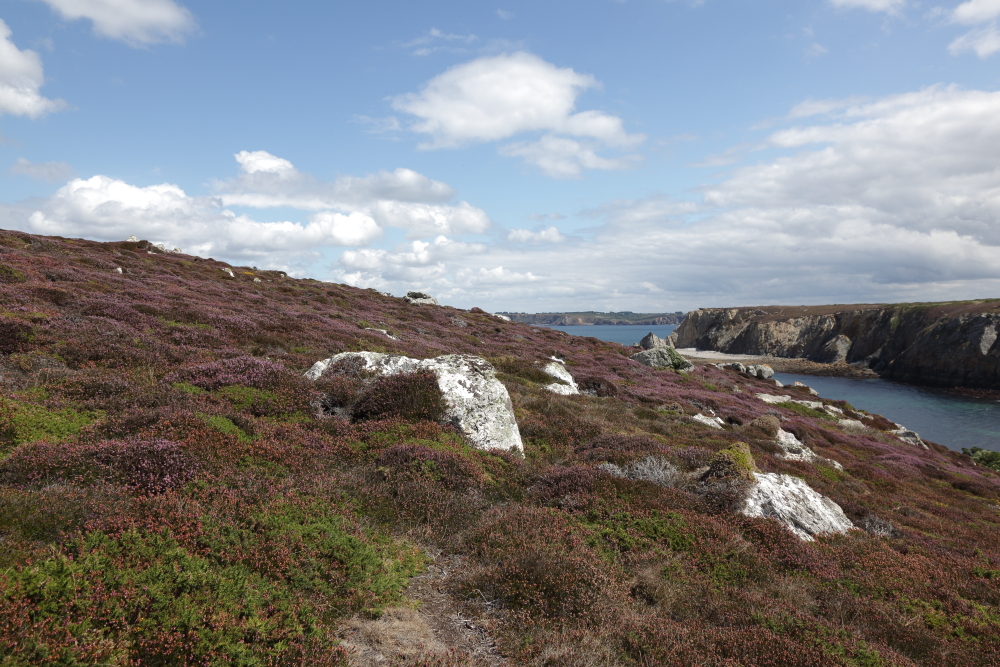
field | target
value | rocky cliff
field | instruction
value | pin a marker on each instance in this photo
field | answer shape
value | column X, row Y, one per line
column 939, row 344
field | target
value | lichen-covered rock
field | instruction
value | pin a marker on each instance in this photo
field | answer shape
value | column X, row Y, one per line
column 478, row 404
column 794, row 503
column 557, row 370
column 908, row 436
column 663, row 357
column 420, row 298
column 761, row 371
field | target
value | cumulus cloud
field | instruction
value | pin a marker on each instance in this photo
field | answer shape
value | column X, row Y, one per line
column 889, row 199
column 402, row 198
column 497, row 97
column 887, row 6
column 984, row 41
column 21, row 76
column 135, row 22
column 547, row 235
column 109, row 209
column 53, row 172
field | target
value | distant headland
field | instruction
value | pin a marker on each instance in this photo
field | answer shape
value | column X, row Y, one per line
column 593, row 317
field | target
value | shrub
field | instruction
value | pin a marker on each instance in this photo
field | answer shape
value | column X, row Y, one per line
column 25, row 422
column 10, row 275
column 597, row 386
column 15, row 335
column 414, row 462
column 411, row 396
column 247, row 371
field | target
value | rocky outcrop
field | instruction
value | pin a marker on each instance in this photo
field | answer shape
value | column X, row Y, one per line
column 795, row 504
column 420, row 299
column 949, row 345
column 651, row 341
column 663, row 357
column 478, row 404
column 591, row 317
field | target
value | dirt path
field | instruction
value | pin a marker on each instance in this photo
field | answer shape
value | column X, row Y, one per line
column 438, row 628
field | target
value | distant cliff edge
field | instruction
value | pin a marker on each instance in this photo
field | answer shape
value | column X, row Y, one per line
column 591, row 317
column 939, row 344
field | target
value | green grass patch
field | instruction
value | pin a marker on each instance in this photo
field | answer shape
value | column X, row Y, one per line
column 26, row 422
column 805, row 411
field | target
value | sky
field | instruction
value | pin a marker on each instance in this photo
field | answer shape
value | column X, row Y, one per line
column 644, row 155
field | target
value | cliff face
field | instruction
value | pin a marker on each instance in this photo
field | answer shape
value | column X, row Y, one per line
column 947, row 345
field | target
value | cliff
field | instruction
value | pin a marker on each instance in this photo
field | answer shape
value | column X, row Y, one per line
column 939, row 344
column 591, row 317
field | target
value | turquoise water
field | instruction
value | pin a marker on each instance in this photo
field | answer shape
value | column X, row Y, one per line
column 948, row 419
column 625, row 334
column 951, row 420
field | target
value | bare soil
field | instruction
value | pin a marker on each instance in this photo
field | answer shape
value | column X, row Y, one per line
column 437, row 627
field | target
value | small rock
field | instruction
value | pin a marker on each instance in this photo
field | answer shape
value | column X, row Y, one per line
column 557, row 369
column 383, row 332
column 257, row 280
column 909, row 437
column 713, row 422
column 228, row 271
column 501, row 317
column 761, row 371
column 132, row 239
column 118, row 269
column 769, row 424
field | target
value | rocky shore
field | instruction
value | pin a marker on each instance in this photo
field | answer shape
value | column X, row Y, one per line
column 950, row 345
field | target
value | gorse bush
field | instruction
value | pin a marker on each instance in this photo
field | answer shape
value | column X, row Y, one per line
column 174, row 492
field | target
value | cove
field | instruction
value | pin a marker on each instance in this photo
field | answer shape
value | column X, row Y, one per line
column 948, row 419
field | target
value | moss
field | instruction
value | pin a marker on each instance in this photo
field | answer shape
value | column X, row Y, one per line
column 805, row 411
column 242, row 397
column 9, row 274
column 188, row 388
column 735, row 460
column 226, row 425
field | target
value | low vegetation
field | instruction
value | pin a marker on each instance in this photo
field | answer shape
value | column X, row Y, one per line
column 173, row 491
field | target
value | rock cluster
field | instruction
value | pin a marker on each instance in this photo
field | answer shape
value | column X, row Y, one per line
column 478, row 404
column 761, row 371
column 567, row 385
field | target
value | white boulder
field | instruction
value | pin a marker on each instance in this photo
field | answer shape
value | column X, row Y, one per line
column 712, row 422
column 794, row 503
column 557, row 370
column 478, row 404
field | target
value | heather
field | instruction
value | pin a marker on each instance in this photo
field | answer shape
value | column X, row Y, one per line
column 174, row 491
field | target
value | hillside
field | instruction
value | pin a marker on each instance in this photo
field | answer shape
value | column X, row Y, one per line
column 951, row 344
column 174, row 490
column 591, row 317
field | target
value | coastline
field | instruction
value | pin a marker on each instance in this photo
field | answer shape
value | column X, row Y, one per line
column 800, row 366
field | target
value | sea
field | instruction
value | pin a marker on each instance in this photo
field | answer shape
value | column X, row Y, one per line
column 949, row 419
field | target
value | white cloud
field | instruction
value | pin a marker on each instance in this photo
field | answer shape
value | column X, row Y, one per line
column 425, row 42
column 497, row 97
column 547, row 235
column 267, row 181
column 891, row 199
column 53, row 172
column 560, row 157
column 816, row 49
column 887, row 6
column 984, row 42
column 505, row 15
column 402, row 198
column 21, row 76
column 108, row 209
column 135, row 22
column 976, row 11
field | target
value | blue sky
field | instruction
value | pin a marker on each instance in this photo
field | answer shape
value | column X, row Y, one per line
column 642, row 155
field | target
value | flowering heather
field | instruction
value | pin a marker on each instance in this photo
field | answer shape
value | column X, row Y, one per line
column 173, row 491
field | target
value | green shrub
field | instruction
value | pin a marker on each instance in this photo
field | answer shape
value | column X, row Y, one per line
column 410, row 396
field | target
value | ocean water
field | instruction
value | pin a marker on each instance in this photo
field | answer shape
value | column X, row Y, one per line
column 948, row 419
column 625, row 334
